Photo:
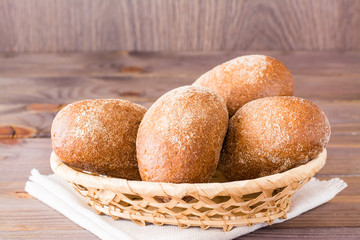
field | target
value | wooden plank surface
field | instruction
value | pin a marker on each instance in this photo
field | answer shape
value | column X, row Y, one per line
column 161, row 25
column 34, row 87
column 143, row 77
column 19, row 156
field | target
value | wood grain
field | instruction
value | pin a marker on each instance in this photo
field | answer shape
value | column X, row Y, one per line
column 165, row 64
column 18, row 159
column 34, row 87
column 161, row 25
column 54, row 79
column 304, row 233
column 69, row 89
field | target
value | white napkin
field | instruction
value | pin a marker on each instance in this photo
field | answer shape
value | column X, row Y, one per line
column 58, row 194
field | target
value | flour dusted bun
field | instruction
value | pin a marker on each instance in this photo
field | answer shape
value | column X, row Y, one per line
column 99, row 136
column 180, row 138
column 271, row 135
column 247, row 78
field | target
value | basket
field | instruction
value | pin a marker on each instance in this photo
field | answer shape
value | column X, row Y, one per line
column 215, row 204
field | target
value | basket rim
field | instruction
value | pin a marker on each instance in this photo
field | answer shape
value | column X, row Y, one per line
column 180, row 190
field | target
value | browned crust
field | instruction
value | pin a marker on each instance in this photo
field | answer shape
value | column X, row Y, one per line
column 99, row 136
column 272, row 135
column 180, row 137
column 247, row 78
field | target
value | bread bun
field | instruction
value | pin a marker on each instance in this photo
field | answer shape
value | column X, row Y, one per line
column 271, row 135
column 180, row 137
column 247, row 78
column 99, row 136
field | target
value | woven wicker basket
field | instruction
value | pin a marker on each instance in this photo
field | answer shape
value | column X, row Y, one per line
column 213, row 204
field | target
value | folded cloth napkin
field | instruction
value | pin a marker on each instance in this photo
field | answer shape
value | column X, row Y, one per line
column 58, row 194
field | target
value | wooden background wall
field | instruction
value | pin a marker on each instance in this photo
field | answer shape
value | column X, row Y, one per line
column 175, row 25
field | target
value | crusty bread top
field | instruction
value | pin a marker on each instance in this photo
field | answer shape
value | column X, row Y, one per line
column 99, row 136
column 181, row 135
column 273, row 134
column 285, row 122
column 247, row 78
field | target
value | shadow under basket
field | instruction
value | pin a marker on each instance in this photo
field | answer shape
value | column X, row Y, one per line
column 215, row 204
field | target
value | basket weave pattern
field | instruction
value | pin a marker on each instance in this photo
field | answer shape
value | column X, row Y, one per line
column 222, row 205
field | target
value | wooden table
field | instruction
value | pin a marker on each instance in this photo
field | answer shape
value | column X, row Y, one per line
column 34, row 87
